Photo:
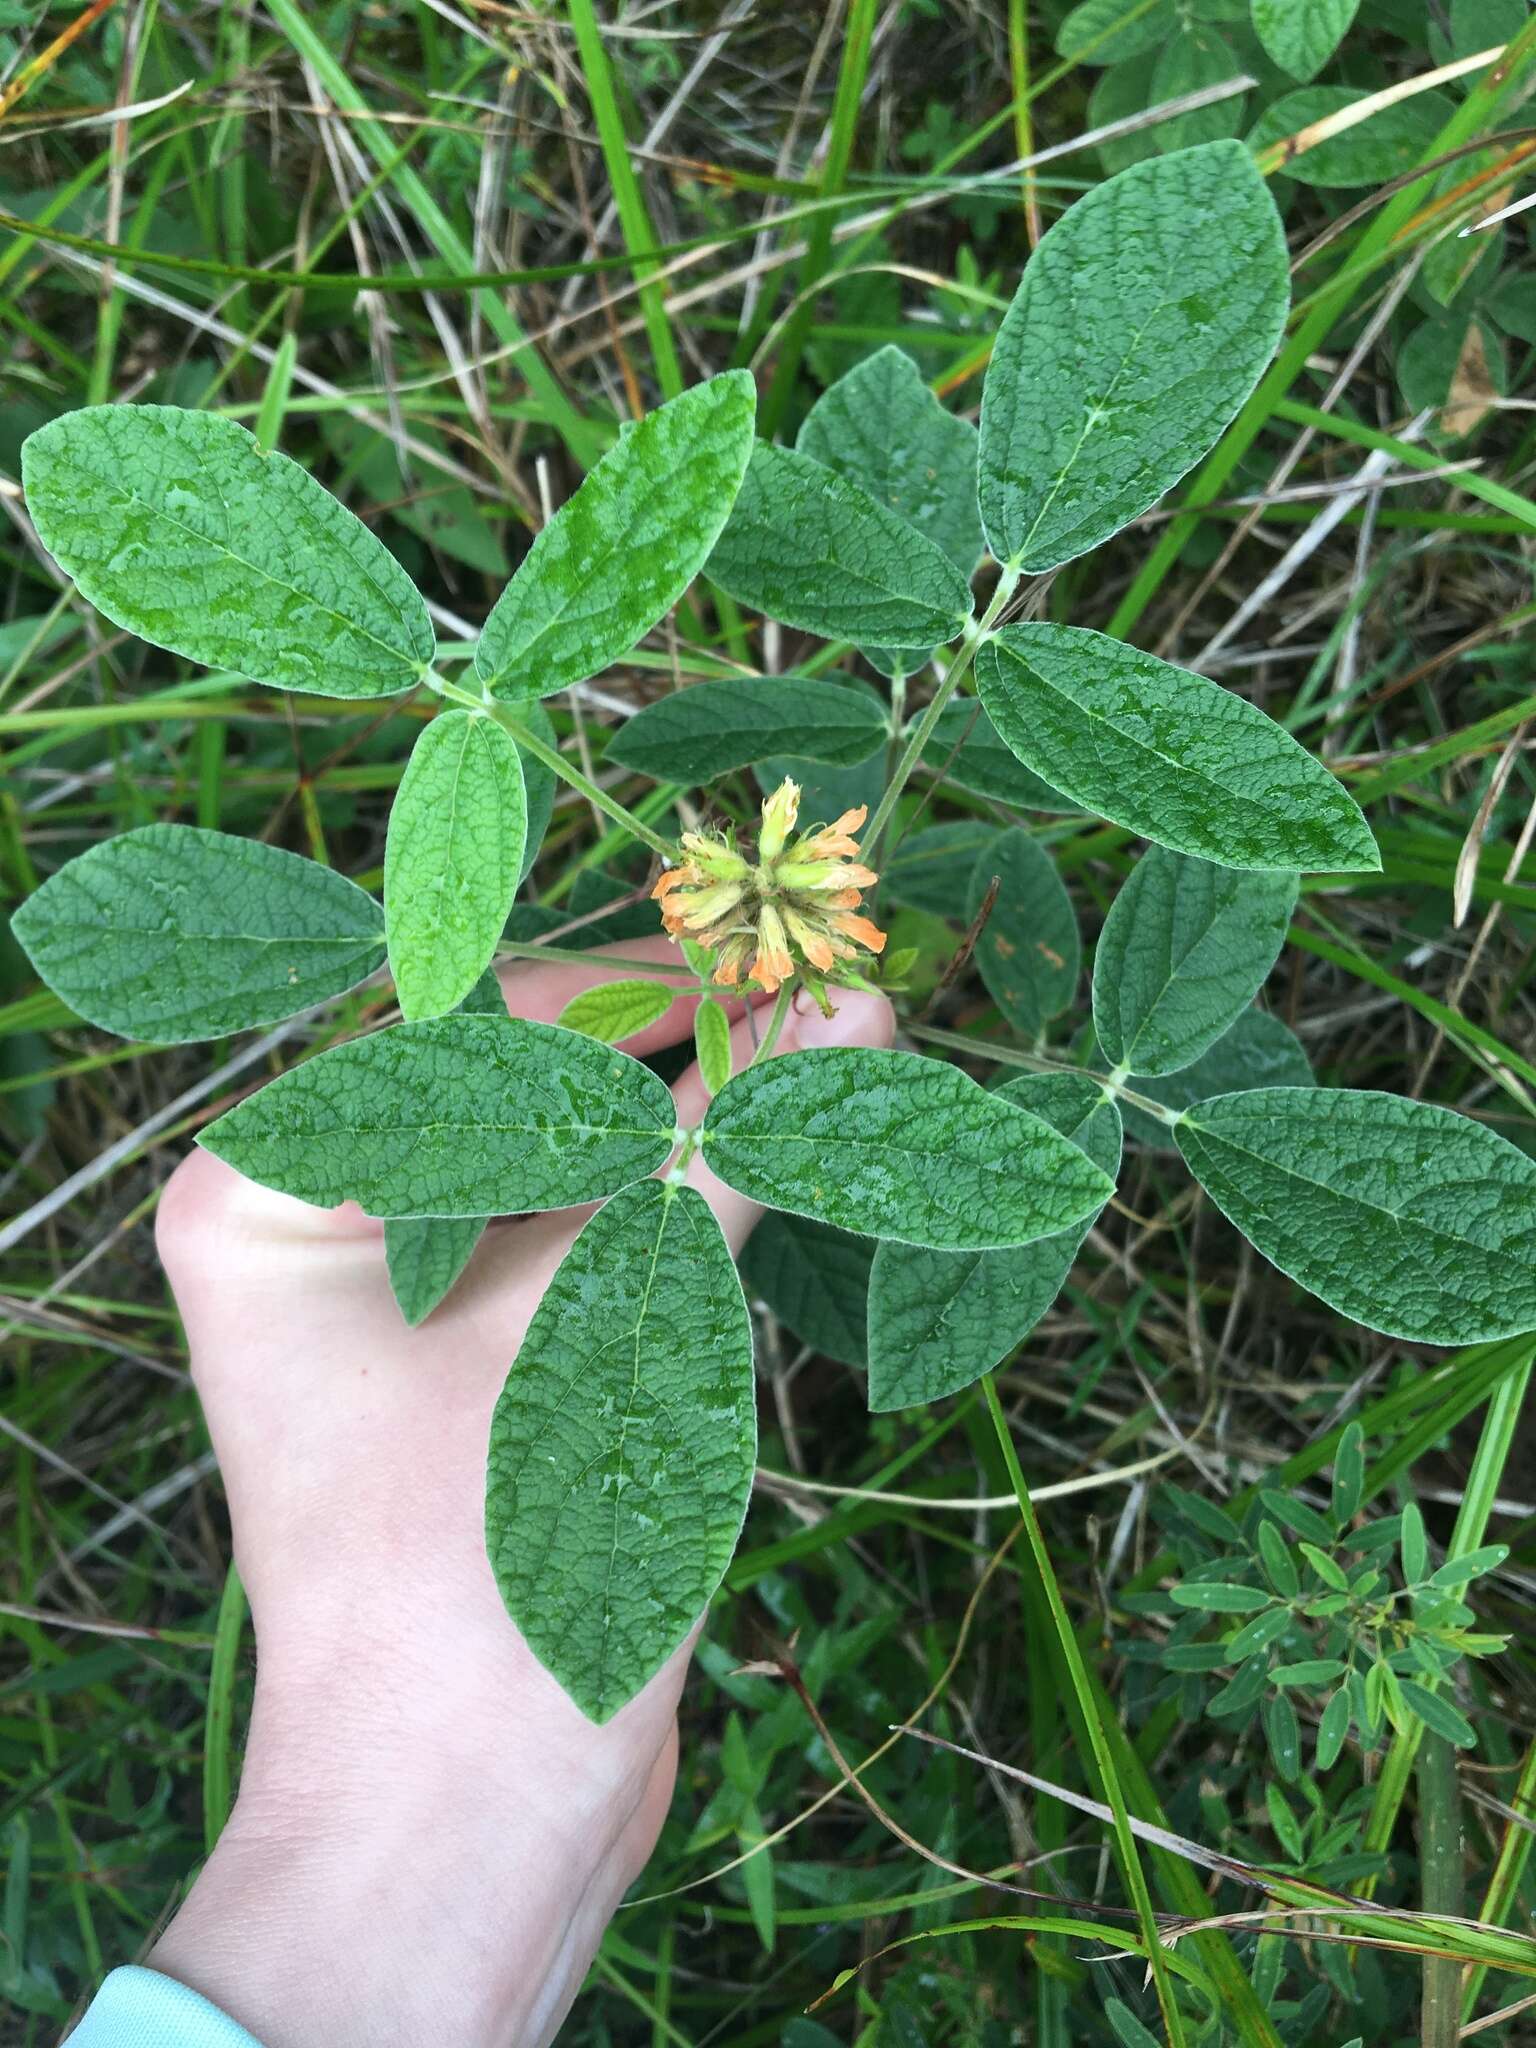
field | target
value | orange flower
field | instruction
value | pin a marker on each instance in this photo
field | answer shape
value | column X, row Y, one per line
column 789, row 910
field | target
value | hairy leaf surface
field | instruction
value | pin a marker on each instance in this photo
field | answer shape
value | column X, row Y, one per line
column 623, row 1444
column 174, row 933
column 616, row 1010
column 453, row 859
column 1410, row 1218
column 425, row 1255
column 714, row 728
column 1162, row 751
column 889, row 1144
column 806, row 546
column 177, row 526
column 1185, row 949
column 938, row 1320
column 1142, row 322
column 619, row 554
column 455, row 1116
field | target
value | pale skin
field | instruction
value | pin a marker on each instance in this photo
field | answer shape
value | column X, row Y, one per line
column 429, row 1839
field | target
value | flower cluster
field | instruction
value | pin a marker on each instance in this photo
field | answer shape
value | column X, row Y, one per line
column 793, row 907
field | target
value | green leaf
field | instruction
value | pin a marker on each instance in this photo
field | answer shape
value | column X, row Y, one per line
column 1410, row 1218
column 1296, row 1514
column 1332, row 1729
column 983, row 763
column 1437, row 1713
column 1166, row 753
column 1258, row 1052
column 932, row 869
column 1301, row 35
column 1142, row 322
column 1279, row 1565
column 1029, row 953
column 1379, row 149
column 938, row 1320
column 622, row 1446
column 1413, row 1545
column 815, row 1280
column 883, row 429
column 1282, row 1731
column 1258, row 1634
column 455, row 1116
column 1193, row 57
column 1218, row 1596
column 806, row 546
column 1327, row 1568
column 1092, row 32
column 615, row 1010
column 713, row 728
column 452, row 859
column 1283, row 1822
column 890, row 1144
column 539, row 786
column 1185, row 949
column 1127, row 2029
column 712, row 1044
column 172, row 933
column 1310, row 1671
column 619, row 554
column 179, row 528
column 1460, row 1571
column 425, row 1255
column 1348, row 1474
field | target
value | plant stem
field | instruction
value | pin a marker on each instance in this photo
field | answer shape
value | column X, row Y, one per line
column 1042, row 1063
column 1439, row 1884
column 530, row 949
column 770, row 1037
column 958, row 669
column 554, row 759
column 1072, row 1655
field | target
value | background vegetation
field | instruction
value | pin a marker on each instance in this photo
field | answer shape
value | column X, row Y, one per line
column 228, row 206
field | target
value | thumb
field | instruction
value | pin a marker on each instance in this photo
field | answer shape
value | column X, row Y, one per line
column 860, row 1018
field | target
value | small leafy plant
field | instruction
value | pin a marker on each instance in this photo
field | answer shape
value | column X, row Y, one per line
column 621, row 1453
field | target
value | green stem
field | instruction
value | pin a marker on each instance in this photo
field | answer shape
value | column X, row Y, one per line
column 770, row 1037
column 530, row 949
column 1042, row 1063
column 1109, row 1780
column 1439, row 1884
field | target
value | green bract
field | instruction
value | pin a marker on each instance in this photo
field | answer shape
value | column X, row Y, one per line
column 180, row 528
column 622, row 1446
column 619, row 555
column 456, row 1116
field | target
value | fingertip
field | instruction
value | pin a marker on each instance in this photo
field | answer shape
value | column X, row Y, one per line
column 859, row 1017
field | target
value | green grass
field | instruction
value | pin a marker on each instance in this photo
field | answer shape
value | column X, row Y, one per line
column 297, row 227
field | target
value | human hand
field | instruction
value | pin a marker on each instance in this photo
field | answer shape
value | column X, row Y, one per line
column 429, row 1837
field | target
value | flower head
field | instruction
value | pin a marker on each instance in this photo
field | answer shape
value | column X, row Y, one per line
column 792, row 907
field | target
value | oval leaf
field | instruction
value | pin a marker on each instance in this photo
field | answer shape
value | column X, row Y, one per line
column 890, row 1144
column 714, row 728
column 814, row 1279
column 1029, row 952
column 455, row 1116
column 965, row 749
column 1162, row 751
column 1411, row 1219
column 1142, row 322
column 425, row 1255
column 712, row 1044
column 180, row 528
column 932, row 869
column 1301, row 35
column 1185, row 949
column 452, row 860
column 615, row 1010
column 938, row 1320
column 623, row 1444
column 173, row 933
column 619, row 554
column 806, row 546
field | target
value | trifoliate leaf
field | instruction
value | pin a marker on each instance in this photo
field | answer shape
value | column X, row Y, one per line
column 455, row 1116
column 180, row 528
column 623, row 1444
column 1410, row 1218
column 173, row 933
column 938, row 1320
column 1142, row 322
column 889, row 1144
column 1186, row 947
column 619, row 554
column 1166, row 753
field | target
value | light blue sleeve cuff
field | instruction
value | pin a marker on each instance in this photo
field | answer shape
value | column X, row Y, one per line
column 143, row 2009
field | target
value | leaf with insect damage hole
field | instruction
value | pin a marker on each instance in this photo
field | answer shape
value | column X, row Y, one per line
column 454, row 1116
column 623, row 1444
column 179, row 527
column 174, row 933
column 619, row 554
column 938, row 1320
